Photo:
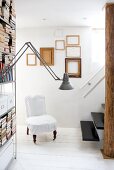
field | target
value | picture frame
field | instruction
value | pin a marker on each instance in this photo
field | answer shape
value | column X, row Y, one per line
column 31, row 59
column 59, row 45
column 73, row 51
column 47, row 53
column 73, row 67
column 72, row 40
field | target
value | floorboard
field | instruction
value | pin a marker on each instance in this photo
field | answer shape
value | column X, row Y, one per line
column 67, row 152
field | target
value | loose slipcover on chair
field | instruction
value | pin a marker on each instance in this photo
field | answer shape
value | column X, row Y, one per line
column 37, row 119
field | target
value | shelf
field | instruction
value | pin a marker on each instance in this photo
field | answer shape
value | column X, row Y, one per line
column 6, row 53
column 7, row 82
column 98, row 119
column 89, row 132
column 6, row 144
column 6, row 141
column 4, row 21
column 8, row 149
column 7, row 112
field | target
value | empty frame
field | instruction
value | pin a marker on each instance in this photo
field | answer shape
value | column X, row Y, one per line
column 48, row 55
column 73, row 67
column 59, row 44
column 72, row 40
column 31, row 59
column 73, row 51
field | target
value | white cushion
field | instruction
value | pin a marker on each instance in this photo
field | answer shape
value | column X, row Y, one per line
column 35, row 106
column 43, row 123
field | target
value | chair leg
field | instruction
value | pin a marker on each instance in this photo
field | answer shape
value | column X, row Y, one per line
column 34, row 138
column 54, row 134
column 27, row 131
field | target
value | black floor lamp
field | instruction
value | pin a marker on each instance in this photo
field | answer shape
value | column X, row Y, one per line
column 65, row 81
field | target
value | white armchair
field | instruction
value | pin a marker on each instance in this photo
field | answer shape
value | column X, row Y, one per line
column 37, row 119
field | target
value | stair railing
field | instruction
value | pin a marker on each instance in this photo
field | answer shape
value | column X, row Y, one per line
column 85, row 95
column 89, row 82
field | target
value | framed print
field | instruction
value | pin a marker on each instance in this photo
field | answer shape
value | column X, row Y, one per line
column 73, row 51
column 59, row 45
column 48, row 55
column 73, row 67
column 31, row 59
column 72, row 40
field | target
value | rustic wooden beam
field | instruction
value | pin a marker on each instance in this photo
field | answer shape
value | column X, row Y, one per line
column 108, row 148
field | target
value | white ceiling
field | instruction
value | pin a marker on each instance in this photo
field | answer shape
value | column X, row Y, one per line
column 42, row 13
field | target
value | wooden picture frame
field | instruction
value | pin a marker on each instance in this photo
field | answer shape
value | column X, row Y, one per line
column 47, row 53
column 73, row 51
column 73, row 67
column 59, row 45
column 72, row 40
column 31, row 59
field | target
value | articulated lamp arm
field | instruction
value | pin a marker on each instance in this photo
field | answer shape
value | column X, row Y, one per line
column 20, row 54
column 43, row 61
column 65, row 84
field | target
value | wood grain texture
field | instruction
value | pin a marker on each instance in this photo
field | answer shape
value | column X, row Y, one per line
column 109, row 73
column 48, row 56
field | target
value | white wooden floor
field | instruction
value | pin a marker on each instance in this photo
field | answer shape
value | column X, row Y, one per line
column 67, row 152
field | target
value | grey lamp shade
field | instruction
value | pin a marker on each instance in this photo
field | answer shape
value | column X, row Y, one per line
column 66, row 84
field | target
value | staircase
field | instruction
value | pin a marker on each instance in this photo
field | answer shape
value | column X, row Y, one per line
column 93, row 82
column 93, row 130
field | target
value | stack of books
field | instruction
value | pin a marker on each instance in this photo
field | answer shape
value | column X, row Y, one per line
column 5, row 47
column 13, row 122
column 13, row 44
column 6, row 10
column 8, row 125
column 6, row 43
column 5, row 39
column 4, row 61
column 8, row 59
column 3, row 138
column 7, row 29
column 8, row 76
column 1, row 62
column 2, row 37
column 0, row 3
column 12, row 21
column 0, row 11
column 12, row 50
column 1, row 66
column 12, row 13
column 0, row 7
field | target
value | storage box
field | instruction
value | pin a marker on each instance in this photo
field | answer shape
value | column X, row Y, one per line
column 10, row 101
column 3, row 104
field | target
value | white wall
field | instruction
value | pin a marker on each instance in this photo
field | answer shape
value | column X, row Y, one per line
column 68, row 107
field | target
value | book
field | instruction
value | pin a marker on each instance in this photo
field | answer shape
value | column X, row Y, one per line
column 3, row 140
column 1, row 39
column 2, row 120
column 2, row 135
column 2, row 130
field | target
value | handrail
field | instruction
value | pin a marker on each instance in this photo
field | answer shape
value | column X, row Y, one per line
column 88, row 82
column 85, row 95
